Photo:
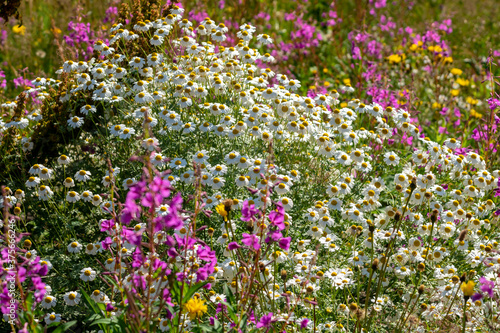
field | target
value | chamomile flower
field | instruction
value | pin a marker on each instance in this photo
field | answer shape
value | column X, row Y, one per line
column 75, row 122
column 52, row 318
column 72, row 298
column 48, row 302
column 88, row 274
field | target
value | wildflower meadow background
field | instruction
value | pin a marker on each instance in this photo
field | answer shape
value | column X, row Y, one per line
column 250, row 166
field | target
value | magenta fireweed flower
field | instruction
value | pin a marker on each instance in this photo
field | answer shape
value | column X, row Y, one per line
column 248, row 211
column 487, row 286
column 107, row 225
column 277, row 217
column 266, row 321
column 304, row 322
column 233, row 246
column 284, row 243
column 251, row 241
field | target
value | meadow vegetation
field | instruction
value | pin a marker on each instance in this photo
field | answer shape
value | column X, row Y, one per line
column 250, row 166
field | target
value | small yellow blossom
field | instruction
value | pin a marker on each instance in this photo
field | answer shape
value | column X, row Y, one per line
column 462, row 82
column 413, row 47
column 346, row 81
column 471, row 100
column 468, row 288
column 19, row 29
column 456, row 71
column 221, row 211
column 455, row 92
column 195, row 308
column 436, row 105
column 395, row 58
column 475, row 114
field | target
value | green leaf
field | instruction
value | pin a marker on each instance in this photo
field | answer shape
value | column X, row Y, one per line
column 64, row 327
column 107, row 321
column 90, row 303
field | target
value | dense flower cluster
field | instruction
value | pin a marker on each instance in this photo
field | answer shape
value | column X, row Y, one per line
column 302, row 204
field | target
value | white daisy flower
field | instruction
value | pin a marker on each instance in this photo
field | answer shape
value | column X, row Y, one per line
column 75, row 122
column 88, row 274
column 82, row 175
column 74, row 247
column 48, row 302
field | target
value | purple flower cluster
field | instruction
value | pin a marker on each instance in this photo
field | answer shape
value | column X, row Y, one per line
column 80, row 37
column 141, row 205
column 276, row 217
column 25, row 272
column 486, row 289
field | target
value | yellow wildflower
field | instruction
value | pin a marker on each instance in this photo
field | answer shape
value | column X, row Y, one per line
column 448, row 60
column 19, row 29
column 471, row 100
column 394, row 58
column 456, row 71
column 468, row 288
column 462, row 82
column 475, row 114
column 413, row 47
column 346, row 81
column 195, row 308
column 56, row 30
column 436, row 105
column 455, row 92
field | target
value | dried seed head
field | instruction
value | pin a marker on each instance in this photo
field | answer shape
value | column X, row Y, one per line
column 250, row 226
column 227, row 205
column 397, row 216
column 421, row 289
column 462, row 235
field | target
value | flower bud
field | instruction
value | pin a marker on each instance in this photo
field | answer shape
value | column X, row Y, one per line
column 27, row 243
column 353, row 307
